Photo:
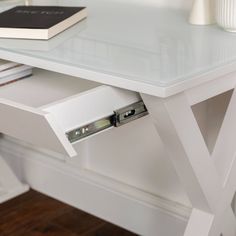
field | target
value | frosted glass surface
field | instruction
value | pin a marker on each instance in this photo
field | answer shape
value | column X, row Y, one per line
column 147, row 44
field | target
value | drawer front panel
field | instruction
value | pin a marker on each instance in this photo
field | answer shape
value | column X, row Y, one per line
column 33, row 126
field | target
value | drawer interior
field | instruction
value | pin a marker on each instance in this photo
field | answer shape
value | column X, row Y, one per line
column 44, row 87
column 48, row 107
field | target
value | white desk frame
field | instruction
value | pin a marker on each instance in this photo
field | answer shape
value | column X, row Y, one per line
column 10, row 186
column 209, row 179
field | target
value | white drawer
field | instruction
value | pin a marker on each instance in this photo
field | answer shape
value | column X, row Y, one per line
column 54, row 111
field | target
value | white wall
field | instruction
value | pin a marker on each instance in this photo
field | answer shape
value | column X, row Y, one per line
column 172, row 3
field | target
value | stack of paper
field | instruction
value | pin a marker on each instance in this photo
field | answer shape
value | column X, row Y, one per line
column 11, row 72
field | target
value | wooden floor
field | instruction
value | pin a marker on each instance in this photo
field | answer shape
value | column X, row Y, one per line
column 34, row 214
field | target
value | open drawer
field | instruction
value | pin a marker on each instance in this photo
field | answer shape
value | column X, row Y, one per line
column 54, row 111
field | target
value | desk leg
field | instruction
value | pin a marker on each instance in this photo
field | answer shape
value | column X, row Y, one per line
column 10, row 186
column 211, row 197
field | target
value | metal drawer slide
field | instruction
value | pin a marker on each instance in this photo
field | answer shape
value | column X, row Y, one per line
column 117, row 119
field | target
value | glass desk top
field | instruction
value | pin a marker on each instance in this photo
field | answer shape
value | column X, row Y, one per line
column 138, row 46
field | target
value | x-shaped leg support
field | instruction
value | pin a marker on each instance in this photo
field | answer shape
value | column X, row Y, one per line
column 209, row 179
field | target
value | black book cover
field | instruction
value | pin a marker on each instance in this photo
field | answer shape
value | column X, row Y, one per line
column 36, row 17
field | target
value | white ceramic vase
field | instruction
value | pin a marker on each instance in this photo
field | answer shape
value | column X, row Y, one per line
column 226, row 14
column 203, row 12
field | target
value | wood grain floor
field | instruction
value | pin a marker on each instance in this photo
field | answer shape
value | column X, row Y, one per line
column 34, row 214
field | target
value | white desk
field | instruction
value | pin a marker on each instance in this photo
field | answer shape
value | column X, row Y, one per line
column 174, row 67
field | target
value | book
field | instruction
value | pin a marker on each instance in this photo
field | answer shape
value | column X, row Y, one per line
column 11, row 72
column 43, row 45
column 7, row 65
column 16, row 77
column 38, row 22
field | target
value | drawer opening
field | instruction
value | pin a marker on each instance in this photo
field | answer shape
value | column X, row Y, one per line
column 48, row 108
column 44, row 87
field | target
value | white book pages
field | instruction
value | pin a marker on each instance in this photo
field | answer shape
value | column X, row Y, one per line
column 14, row 70
column 8, row 66
column 15, row 77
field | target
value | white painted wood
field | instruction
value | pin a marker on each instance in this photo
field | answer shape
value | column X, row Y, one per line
column 200, row 112
column 224, row 158
column 34, row 126
column 216, row 110
column 45, row 87
column 173, row 204
column 10, row 185
column 134, row 154
column 113, row 201
column 217, row 198
column 190, row 63
column 114, row 152
column 230, row 185
column 182, row 138
column 90, row 106
column 199, row 223
column 227, row 222
column 211, row 89
column 11, row 146
column 47, row 105
column 224, row 151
